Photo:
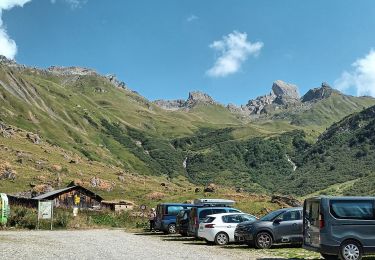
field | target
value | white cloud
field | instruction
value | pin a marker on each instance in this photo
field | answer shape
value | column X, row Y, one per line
column 361, row 78
column 74, row 4
column 233, row 49
column 192, row 18
column 8, row 47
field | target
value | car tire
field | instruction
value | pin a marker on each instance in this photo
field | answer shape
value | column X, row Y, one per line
column 263, row 240
column 330, row 257
column 351, row 250
column 221, row 239
column 171, row 229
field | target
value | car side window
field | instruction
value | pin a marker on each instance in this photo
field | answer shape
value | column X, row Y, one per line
column 231, row 219
column 204, row 213
column 234, row 211
column 290, row 216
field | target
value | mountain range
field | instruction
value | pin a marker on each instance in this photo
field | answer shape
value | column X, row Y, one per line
column 93, row 127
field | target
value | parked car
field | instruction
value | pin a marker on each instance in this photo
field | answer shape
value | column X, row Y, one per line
column 200, row 213
column 182, row 222
column 339, row 226
column 219, row 228
column 166, row 216
column 280, row 226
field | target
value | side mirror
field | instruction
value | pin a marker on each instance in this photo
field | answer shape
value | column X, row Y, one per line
column 277, row 221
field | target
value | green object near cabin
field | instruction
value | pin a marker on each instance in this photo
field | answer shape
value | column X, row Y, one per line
column 4, row 209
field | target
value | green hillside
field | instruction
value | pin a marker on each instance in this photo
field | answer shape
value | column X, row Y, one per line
column 343, row 154
column 95, row 118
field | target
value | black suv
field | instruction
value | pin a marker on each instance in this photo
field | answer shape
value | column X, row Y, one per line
column 280, row 226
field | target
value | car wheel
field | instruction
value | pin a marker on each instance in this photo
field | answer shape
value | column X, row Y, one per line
column 263, row 240
column 351, row 250
column 221, row 239
column 172, row 229
column 329, row 257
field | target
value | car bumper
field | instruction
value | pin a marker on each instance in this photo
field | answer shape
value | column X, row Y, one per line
column 208, row 235
column 243, row 238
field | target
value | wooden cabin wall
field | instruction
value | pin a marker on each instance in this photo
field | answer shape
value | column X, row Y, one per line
column 66, row 200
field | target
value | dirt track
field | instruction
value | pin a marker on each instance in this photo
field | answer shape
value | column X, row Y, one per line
column 109, row 244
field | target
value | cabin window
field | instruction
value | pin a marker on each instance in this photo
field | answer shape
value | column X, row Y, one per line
column 343, row 209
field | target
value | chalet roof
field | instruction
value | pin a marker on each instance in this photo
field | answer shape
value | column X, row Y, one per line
column 56, row 192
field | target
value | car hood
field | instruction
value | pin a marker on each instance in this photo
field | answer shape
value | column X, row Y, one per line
column 247, row 223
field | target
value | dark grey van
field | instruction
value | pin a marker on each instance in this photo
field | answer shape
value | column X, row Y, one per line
column 339, row 226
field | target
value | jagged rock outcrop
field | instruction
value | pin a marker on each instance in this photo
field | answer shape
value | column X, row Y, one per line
column 10, row 63
column 68, row 71
column 317, row 94
column 199, row 97
column 170, row 104
column 282, row 94
column 115, row 82
column 195, row 97
column 285, row 93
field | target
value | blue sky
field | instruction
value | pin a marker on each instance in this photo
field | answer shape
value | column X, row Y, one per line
column 233, row 50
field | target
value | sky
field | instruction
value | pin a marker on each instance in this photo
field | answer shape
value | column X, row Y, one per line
column 231, row 49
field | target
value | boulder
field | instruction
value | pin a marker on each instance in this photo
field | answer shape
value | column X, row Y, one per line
column 6, row 172
column 155, row 195
column 285, row 201
column 210, row 188
column 197, row 190
column 56, row 168
column 35, row 138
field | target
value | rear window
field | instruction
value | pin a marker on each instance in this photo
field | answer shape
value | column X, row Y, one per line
column 209, row 220
column 218, row 211
column 204, row 213
column 173, row 210
column 344, row 209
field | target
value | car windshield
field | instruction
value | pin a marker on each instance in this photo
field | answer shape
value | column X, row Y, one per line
column 246, row 217
column 271, row 215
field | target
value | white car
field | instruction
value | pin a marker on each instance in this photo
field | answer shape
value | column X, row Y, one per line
column 219, row 228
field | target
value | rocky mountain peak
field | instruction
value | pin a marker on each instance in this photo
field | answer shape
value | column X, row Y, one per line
column 282, row 94
column 10, row 63
column 198, row 96
column 316, row 94
column 194, row 98
column 67, row 71
column 285, row 92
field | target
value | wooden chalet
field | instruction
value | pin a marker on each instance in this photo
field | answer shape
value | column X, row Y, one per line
column 67, row 197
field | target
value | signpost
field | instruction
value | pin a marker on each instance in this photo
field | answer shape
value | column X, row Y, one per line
column 45, row 211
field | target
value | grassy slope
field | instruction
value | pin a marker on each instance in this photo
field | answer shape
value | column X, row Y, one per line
column 68, row 111
column 343, row 154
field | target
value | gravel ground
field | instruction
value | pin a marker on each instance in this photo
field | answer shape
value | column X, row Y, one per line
column 110, row 244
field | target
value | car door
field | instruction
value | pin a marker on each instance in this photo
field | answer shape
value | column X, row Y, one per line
column 287, row 227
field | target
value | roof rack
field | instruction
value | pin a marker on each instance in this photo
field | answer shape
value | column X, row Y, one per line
column 213, row 202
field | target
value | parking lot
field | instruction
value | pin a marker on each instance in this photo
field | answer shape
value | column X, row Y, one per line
column 118, row 244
